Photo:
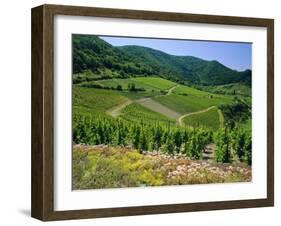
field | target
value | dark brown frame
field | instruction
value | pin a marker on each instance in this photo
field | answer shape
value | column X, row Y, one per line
column 42, row 203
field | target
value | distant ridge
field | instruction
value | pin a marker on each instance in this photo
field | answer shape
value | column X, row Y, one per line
column 90, row 53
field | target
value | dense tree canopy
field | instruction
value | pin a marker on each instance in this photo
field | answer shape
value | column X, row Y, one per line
column 90, row 53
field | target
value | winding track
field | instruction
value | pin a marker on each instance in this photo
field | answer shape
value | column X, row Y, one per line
column 157, row 107
column 171, row 90
column 180, row 119
column 115, row 111
column 148, row 103
column 221, row 118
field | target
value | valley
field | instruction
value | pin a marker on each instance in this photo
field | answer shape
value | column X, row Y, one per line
column 142, row 117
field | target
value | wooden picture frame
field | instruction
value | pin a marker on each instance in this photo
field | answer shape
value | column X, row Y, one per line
column 43, row 112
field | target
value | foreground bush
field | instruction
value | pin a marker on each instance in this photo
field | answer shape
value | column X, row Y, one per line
column 223, row 149
column 116, row 167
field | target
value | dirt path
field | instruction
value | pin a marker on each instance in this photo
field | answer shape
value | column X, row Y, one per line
column 157, row 107
column 221, row 118
column 171, row 90
column 180, row 119
column 149, row 103
column 209, row 152
column 115, row 111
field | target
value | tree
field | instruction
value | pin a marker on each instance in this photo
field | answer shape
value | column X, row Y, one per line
column 119, row 87
column 132, row 87
column 157, row 137
column 143, row 141
column 238, row 143
column 223, row 149
column 169, row 146
column 177, row 140
column 248, row 150
column 193, row 149
column 136, row 137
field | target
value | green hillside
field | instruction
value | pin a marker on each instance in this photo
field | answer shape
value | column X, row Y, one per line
column 230, row 89
column 192, row 69
column 185, row 99
column 137, row 113
column 100, row 60
column 141, row 117
column 145, row 83
column 95, row 101
column 207, row 119
column 169, row 98
column 181, row 120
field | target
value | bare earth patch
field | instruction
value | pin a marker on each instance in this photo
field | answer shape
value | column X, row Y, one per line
column 157, row 107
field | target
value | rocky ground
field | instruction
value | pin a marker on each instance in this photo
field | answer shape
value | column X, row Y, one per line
column 125, row 167
column 198, row 171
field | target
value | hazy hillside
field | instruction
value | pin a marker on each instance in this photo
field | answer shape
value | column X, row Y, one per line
column 102, row 60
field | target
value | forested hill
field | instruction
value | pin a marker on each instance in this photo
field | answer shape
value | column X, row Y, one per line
column 102, row 60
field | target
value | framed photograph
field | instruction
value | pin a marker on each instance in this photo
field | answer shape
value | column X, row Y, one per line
column 141, row 112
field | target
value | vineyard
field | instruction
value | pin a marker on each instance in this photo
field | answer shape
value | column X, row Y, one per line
column 95, row 101
column 141, row 128
column 186, row 102
column 209, row 119
column 120, row 154
column 231, row 145
column 137, row 113
column 141, row 123
column 146, row 83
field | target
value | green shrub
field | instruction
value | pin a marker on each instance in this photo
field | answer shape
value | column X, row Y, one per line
column 144, row 137
column 223, row 146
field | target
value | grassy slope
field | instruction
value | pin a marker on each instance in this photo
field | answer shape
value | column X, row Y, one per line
column 148, row 83
column 137, row 113
column 183, row 99
column 209, row 119
column 156, row 83
column 186, row 99
column 234, row 88
column 152, row 85
column 190, row 91
column 95, row 101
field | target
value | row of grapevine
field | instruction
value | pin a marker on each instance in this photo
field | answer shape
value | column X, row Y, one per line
column 231, row 144
column 234, row 143
column 141, row 136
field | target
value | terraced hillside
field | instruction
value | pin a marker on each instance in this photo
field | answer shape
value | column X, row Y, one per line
column 155, row 99
column 95, row 101
column 146, row 83
column 135, row 112
column 209, row 118
column 185, row 99
column 164, row 118
column 142, row 117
